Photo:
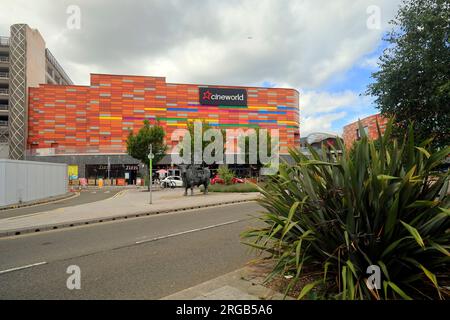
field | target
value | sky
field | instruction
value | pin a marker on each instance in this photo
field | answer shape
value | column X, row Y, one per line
column 327, row 50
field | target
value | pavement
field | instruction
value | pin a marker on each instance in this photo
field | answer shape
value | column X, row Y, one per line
column 150, row 257
column 80, row 197
column 242, row 284
column 128, row 203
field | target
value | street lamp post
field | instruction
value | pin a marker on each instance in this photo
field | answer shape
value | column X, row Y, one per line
column 150, row 180
column 109, row 169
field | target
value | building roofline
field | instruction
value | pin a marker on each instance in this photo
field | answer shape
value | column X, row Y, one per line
column 50, row 57
column 61, row 85
column 365, row 118
column 124, row 75
column 194, row 84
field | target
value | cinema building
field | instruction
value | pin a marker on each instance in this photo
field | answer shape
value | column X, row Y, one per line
column 87, row 126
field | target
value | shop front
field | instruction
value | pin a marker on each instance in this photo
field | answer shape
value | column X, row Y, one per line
column 113, row 174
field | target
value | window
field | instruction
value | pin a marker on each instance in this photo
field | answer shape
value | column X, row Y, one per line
column 358, row 134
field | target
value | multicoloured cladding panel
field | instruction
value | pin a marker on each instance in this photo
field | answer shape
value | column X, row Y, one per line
column 97, row 118
column 350, row 132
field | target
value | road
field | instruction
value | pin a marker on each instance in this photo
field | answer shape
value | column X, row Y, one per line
column 141, row 258
column 86, row 196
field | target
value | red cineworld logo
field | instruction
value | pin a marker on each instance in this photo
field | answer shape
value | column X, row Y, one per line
column 207, row 95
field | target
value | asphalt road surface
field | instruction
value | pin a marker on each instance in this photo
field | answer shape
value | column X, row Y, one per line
column 85, row 196
column 141, row 258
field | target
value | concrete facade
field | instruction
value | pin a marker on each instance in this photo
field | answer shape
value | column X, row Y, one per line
column 24, row 62
column 23, row 181
column 4, row 150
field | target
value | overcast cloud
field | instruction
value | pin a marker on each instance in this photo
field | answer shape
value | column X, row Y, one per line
column 300, row 44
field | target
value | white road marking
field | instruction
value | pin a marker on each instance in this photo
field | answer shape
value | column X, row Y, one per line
column 23, row 267
column 188, row 231
column 118, row 194
column 44, row 203
column 33, row 214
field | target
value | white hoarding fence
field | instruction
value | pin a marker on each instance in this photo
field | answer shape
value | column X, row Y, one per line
column 24, row 181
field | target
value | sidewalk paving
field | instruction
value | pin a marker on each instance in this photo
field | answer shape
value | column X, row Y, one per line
column 242, row 284
column 125, row 204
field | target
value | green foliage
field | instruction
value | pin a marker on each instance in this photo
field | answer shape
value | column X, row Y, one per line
column 245, row 145
column 413, row 83
column 328, row 221
column 205, row 143
column 226, row 174
column 138, row 144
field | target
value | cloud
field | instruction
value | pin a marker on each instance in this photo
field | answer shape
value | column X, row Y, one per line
column 321, row 123
column 301, row 43
column 370, row 63
column 314, row 102
column 319, row 109
column 297, row 44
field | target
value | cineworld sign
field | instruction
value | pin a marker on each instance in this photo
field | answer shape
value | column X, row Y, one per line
column 223, row 96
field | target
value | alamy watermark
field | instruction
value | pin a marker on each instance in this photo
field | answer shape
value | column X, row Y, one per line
column 374, row 280
column 74, row 280
column 73, row 21
column 373, row 21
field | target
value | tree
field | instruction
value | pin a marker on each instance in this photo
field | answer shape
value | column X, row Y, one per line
column 138, row 144
column 245, row 145
column 226, row 174
column 413, row 83
column 204, row 127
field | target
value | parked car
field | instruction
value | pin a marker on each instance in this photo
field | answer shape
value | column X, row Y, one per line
column 237, row 180
column 219, row 180
column 171, row 182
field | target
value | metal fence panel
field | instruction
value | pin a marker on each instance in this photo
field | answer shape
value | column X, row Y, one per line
column 23, row 181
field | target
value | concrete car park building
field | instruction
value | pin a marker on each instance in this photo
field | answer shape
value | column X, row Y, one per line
column 24, row 62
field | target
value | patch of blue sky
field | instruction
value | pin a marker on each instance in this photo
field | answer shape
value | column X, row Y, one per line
column 268, row 84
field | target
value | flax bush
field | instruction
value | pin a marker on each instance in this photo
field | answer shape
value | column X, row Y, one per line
column 327, row 220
